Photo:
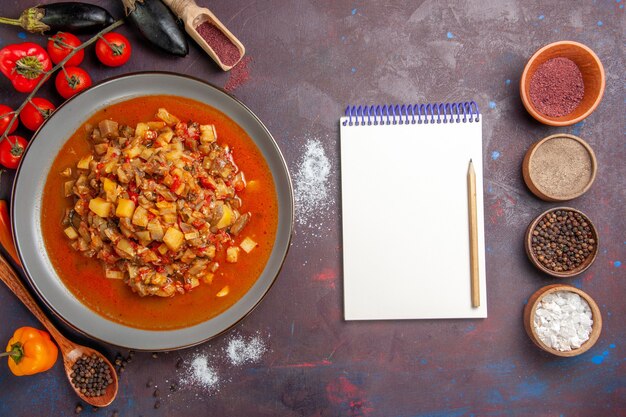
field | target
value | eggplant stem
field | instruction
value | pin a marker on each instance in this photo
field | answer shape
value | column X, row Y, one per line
column 61, row 64
column 9, row 21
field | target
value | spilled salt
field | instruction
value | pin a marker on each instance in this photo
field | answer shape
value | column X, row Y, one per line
column 201, row 374
column 242, row 351
column 311, row 182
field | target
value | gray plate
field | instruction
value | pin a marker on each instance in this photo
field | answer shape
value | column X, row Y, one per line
column 31, row 177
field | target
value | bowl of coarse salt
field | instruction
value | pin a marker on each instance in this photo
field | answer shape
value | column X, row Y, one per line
column 562, row 320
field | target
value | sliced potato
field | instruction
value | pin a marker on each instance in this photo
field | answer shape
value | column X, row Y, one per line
column 208, row 278
column 125, row 246
column 125, row 208
column 223, row 292
column 173, row 155
column 227, row 218
column 141, row 129
column 207, row 133
column 156, row 230
column 109, row 185
column 100, row 207
column 156, row 125
column 146, row 153
column 68, row 188
column 248, row 244
column 140, row 217
column 71, row 233
column 167, row 117
column 133, row 152
column 113, row 274
column 110, row 166
column 159, row 279
column 210, row 251
column 144, row 237
column 83, row 163
column 166, row 135
column 174, row 239
column 232, row 254
column 101, row 148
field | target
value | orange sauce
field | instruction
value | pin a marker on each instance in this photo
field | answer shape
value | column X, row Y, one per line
column 113, row 299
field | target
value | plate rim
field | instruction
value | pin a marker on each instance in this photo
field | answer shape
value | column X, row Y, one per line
column 283, row 255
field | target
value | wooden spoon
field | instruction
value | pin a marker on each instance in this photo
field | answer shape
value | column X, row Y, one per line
column 193, row 16
column 71, row 351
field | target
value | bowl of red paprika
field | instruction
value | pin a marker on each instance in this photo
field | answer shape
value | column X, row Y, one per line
column 562, row 83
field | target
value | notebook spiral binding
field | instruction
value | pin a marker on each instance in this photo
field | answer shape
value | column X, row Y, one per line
column 460, row 112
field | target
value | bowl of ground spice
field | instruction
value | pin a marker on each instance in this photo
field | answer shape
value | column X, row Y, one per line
column 562, row 320
column 562, row 242
column 559, row 167
column 562, row 83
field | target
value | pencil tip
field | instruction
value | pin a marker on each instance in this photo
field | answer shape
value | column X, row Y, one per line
column 470, row 160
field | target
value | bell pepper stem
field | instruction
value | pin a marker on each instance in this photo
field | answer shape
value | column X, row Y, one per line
column 16, row 352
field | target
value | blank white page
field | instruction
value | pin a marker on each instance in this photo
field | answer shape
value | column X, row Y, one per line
column 405, row 220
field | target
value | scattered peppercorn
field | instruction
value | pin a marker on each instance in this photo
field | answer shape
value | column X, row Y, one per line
column 174, row 387
column 150, row 383
column 562, row 240
column 155, row 355
column 179, row 363
column 78, row 409
column 115, row 414
column 91, row 376
column 157, row 404
column 157, row 393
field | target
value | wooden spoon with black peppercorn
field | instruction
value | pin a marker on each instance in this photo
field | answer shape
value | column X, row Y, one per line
column 92, row 362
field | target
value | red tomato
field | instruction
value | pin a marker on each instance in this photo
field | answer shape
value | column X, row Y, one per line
column 113, row 49
column 71, row 81
column 32, row 116
column 5, row 119
column 11, row 150
column 61, row 44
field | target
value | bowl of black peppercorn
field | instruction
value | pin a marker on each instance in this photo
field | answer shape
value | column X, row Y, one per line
column 562, row 242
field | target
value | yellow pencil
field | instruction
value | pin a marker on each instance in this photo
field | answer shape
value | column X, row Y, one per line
column 473, row 234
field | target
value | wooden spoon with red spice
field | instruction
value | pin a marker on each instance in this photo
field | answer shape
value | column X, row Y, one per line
column 207, row 30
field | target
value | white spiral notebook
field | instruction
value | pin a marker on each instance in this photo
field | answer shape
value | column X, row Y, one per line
column 405, row 211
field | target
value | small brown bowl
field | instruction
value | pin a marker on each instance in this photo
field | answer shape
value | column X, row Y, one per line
column 572, row 272
column 574, row 183
column 593, row 79
column 529, row 319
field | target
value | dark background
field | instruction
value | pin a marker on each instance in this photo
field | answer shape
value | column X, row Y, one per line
column 309, row 59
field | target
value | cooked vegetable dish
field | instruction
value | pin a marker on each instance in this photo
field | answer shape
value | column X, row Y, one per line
column 156, row 203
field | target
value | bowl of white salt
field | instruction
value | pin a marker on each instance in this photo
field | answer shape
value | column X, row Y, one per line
column 562, row 320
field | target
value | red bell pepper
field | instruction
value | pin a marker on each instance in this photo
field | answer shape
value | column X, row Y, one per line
column 6, row 238
column 24, row 64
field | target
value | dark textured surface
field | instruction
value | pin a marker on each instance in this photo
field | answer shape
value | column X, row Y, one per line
column 309, row 60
